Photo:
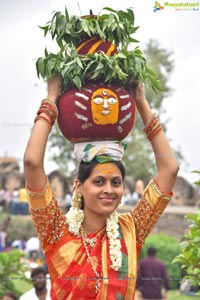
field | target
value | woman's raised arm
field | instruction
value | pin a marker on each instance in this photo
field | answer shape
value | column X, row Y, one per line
column 35, row 149
column 167, row 167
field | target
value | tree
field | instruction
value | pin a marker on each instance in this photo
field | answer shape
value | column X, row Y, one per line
column 189, row 257
column 12, row 270
column 138, row 157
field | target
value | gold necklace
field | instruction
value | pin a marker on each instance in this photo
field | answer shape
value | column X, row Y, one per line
column 91, row 241
column 89, row 258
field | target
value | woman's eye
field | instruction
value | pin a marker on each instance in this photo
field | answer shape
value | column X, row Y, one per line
column 98, row 181
column 116, row 182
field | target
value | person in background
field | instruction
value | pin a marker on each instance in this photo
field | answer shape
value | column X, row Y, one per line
column 3, row 232
column 9, row 296
column 139, row 187
column 14, row 203
column 23, row 201
column 5, row 198
column 41, row 290
column 152, row 277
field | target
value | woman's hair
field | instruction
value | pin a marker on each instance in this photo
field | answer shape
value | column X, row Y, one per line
column 85, row 169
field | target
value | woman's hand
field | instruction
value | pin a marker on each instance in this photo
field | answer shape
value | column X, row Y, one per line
column 137, row 91
column 139, row 94
column 54, row 88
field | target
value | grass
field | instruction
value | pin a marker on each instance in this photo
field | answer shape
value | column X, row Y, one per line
column 176, row 295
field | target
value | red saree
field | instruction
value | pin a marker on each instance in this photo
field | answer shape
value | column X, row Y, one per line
column 72, row 277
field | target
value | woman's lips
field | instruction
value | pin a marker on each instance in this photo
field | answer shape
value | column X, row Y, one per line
column 107, row 200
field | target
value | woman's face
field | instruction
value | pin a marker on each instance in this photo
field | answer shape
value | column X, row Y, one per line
column 103, row 189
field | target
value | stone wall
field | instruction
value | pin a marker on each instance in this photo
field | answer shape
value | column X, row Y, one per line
column 184, row 193
column 173, row 222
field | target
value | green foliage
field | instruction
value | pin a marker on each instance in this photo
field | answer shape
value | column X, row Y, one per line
column 12, row 269
column 167, row 249
column 138, row 158
column 75, row 70
column 189, row 256
column 116, row 26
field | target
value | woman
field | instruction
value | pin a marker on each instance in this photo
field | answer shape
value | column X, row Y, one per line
column 92, row 251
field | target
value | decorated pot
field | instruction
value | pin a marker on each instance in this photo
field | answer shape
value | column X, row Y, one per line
column 96, row 112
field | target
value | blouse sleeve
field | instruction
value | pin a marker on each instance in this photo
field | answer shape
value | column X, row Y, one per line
column 49, row 220
column 148, row 210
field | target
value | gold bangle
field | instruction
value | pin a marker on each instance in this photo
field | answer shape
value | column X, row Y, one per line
column 36, row 194
column 156, row 188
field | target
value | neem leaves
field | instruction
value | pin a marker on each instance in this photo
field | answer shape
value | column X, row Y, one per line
column 122, row 68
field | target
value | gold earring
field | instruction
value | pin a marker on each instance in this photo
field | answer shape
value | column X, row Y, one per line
column 76, row 200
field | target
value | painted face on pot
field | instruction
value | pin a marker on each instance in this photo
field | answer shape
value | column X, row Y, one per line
column 104, row 106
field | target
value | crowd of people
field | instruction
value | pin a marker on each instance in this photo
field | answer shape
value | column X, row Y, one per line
column 15, row 202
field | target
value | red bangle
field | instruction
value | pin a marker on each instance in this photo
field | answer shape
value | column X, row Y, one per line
column 50, row 104
column 154, row 133
column 45, row 120
column 151, row 125
column 47, row 112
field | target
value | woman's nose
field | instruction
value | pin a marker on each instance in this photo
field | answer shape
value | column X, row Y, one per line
column 108, row 188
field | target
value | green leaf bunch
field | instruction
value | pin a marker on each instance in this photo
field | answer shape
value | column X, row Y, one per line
column 123, row 68
column 115, row 26
column 189, row 257
column 12, row 269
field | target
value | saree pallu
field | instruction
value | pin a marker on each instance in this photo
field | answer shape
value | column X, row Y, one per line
column 72, row 277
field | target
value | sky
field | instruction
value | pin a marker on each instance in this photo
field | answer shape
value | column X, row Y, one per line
column 22, row 42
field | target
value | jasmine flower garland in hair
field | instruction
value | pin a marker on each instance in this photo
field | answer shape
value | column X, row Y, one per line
column 75, row 217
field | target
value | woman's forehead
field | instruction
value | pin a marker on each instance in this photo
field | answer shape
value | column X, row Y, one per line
column 106, row 169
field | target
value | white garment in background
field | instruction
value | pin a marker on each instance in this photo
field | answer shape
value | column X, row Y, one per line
column 31, row 295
